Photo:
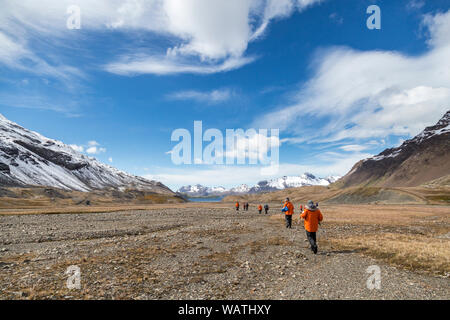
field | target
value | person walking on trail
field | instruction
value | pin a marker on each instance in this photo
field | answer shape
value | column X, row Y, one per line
column 288, row 210
column 246, row 206
column 237, row 206
column 312, row 217
column 301, row 211
column 266, row 208
column 260, row 209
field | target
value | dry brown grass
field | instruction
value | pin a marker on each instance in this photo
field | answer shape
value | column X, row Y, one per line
column 105, row 208
column 43, row 198
column 414, row 252
column 387, row 215
column 413, row 237
column 97, row 268
column 421, row 195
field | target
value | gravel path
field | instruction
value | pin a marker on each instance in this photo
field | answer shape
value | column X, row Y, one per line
column 190, row 253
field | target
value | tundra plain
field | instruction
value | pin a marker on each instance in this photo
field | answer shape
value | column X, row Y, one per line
column 210, row 251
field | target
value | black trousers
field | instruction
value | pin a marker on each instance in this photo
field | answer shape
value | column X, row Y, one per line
column 266, row 210
column 312, row 240
column 288, row 221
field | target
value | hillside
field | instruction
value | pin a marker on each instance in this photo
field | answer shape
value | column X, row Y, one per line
column 416, row 172
column 417, row 161
column 29, row 159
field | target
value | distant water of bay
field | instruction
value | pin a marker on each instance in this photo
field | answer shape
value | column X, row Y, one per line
column 205, row 199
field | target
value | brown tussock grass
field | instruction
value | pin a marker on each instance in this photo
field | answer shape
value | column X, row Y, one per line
column 413, row 237
column 413, row 252
column 106, row 208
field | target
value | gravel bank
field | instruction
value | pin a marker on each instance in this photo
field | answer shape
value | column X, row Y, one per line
column 190, row 253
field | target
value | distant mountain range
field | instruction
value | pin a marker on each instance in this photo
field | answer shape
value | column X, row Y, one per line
column 417, row 161
column 306, row 179
column 30, row 159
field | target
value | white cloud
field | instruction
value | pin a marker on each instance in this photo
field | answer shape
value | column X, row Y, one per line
column 208, row 36
column 15, row 54
column 93, row 143
column 95, row 150
column 336, row 18
column 213, row 29
column 110, row 160
column 274, row 9
column 35, row 101
column 354, row 147
column 166, row 65
column 371, row 94
column 210, row 97
column 92, row 147
column 415, row 4
column 10, row 50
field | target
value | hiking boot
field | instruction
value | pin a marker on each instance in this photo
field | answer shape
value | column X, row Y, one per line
column 315, row 249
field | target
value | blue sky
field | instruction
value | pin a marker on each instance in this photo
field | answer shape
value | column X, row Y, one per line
column 137, row 70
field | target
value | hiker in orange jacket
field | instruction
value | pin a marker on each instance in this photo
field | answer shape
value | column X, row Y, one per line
column 260, row 209
column 237, row 206
column 288, row 210
column 312, row 217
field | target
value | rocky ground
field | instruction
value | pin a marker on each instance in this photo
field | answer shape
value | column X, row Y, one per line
column 190, row 253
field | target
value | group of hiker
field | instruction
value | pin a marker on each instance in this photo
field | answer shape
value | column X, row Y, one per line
column 266, row 209
column 246, row 206
column 310, row 214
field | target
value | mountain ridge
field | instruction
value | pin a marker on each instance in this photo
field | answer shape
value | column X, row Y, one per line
column 419, row 160
column 285, row 182
column 27, row 158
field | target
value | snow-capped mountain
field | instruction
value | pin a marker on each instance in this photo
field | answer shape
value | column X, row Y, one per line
column 201, row 191
column 29, row 159
column 306, row 179
column 424, row 158
column 243, row 188
column 196, row 190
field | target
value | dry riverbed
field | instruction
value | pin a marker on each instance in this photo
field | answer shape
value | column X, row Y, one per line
column 215, row 253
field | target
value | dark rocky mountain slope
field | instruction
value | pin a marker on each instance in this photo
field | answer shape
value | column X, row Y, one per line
column 30, row 159
column 417, row 161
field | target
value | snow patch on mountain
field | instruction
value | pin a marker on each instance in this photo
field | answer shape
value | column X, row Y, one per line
column 28, row 158
column 243, row 188
column 286, row 182
column 440, row 128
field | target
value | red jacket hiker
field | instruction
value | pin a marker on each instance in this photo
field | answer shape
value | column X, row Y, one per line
column 312, row 218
